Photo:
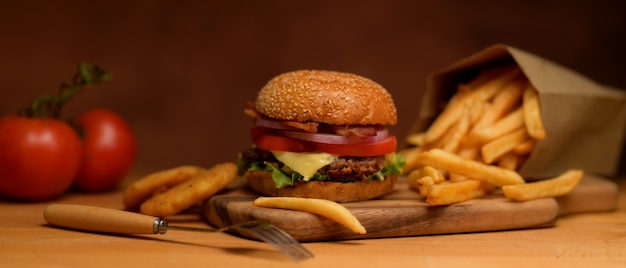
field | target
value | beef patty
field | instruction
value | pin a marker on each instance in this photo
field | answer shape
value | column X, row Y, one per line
column 343, row 169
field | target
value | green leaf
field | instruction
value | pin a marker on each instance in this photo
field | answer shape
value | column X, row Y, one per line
column 280, row 179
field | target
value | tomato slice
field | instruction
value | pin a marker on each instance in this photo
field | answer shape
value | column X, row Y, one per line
column 267, row 139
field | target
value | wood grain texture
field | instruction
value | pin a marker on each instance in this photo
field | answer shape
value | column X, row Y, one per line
column 577, row 240
column 404, row 213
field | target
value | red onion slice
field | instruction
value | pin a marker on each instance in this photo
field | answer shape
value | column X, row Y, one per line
column 381, row 134
column 328, row 138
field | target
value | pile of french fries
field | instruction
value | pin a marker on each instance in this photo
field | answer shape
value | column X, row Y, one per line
column 479, row 141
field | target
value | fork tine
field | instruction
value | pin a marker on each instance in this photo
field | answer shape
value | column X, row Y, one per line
column 297, row 246
column 286, row 240
column 272, row 240
column 291, row 250
column 266, row 232
column 281, row 240
column 291, row 242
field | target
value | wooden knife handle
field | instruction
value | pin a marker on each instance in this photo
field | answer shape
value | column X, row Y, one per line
column 98, row 219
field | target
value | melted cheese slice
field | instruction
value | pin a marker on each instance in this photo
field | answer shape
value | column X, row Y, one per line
column 305, row 163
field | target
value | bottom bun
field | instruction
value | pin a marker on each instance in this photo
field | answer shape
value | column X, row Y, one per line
column 262, row 182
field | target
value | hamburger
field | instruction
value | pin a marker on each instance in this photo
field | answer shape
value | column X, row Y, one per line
column 322, row 134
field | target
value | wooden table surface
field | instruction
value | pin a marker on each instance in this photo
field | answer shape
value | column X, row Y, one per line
column 583, row 240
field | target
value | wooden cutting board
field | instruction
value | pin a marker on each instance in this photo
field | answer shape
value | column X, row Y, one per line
column 405, row 213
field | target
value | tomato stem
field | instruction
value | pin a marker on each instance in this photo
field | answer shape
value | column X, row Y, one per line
column 50, row 105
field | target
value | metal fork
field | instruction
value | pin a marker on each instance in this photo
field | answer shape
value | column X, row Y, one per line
column 105, row 220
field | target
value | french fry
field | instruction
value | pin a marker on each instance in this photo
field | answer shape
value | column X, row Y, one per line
column 420, row 179
column 416, row 139
column 504, row 102
column 410, row 158
column 489, row 89
column 532, row 113
column 502, row 145
column 454, row 110
column 457, row 132
column 525, row 147
column 453, row 163
column 453, row 177
column 433, row 173
column 454, row 192
column 413, row 177
column 477, row 110
column 449, row 116
column 557, row 186
column 510, row 122
column 469, row 151
column 509, row 161
column 423, row 184
column 322, row 207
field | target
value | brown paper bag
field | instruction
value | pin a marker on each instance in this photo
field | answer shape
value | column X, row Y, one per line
column 584, row 120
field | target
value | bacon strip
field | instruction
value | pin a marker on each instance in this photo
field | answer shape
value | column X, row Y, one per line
column 310, row 127
column 360, row 131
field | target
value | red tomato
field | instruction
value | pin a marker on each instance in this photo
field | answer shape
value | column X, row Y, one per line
column 109, row 150
column 39, row 157
column 267, row 140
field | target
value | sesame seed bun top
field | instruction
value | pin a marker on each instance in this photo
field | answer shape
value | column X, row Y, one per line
column 328, row 97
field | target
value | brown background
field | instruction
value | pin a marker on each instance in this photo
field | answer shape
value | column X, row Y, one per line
column 184, row 69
